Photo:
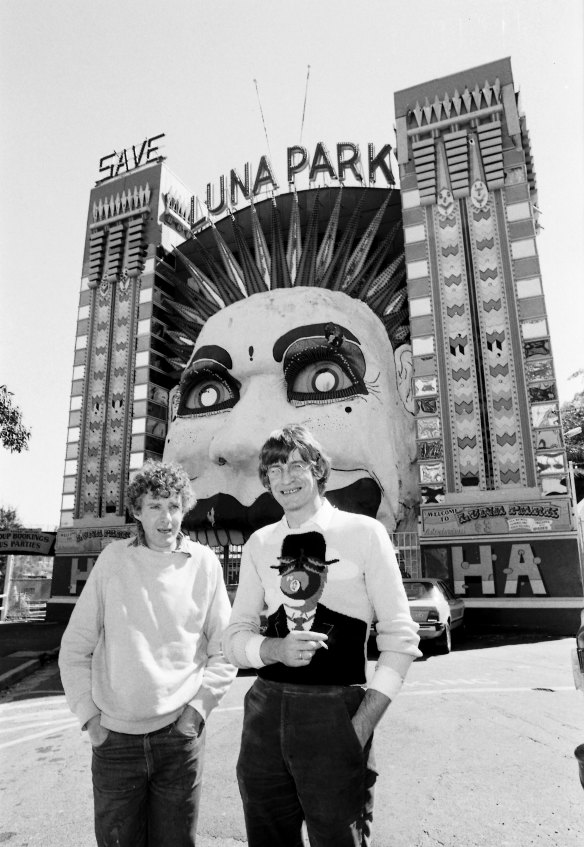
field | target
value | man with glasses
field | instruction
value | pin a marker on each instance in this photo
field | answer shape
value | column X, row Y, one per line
column 324, row 576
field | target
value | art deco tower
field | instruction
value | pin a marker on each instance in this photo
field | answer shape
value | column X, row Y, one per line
column 491, row 459
column 125, row 361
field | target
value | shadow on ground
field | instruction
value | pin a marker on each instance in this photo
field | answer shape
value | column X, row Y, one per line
column 32, row 636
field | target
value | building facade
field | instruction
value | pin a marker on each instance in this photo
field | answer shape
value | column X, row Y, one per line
column 447, row 266
column 123, row 369
column 496, row 513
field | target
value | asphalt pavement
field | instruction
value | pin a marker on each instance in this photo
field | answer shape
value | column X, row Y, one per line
column 477, row 751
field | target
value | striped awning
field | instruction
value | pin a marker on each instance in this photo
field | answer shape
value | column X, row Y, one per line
column 218, row 537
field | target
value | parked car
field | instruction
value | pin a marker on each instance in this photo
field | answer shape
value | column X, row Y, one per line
column 435, row 609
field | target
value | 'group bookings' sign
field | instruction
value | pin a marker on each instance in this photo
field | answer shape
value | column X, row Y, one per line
column 27, row 541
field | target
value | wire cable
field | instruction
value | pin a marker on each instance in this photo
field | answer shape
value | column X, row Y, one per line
column 263, row 121
column 305, row 98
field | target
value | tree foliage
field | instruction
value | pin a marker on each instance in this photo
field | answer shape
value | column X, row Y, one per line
column 14, row 435
column 572, row 421
column 9, row 518
column 27, row 566
column 572, row 418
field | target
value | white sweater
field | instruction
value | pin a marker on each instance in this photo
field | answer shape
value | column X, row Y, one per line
column 144, row 639
column 364, row 584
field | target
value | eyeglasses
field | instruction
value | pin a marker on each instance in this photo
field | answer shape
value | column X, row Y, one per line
column 295, row 469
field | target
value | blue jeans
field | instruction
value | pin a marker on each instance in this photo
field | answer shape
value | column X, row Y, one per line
column 146, row 788
column 300, row 759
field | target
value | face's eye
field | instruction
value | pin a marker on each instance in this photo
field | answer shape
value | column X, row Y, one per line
column 321, row 378
column 321, row 375
column 205, row 392
column 293, row 585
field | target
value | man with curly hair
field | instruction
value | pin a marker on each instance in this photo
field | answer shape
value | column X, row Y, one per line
column 142, row 667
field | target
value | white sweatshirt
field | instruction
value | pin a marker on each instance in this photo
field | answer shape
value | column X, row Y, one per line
column 144, row 639
column 363, row 584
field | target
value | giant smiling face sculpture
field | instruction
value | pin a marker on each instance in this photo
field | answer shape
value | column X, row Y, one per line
column 303, row 355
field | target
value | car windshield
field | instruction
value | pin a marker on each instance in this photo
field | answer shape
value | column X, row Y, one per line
column 418, row 590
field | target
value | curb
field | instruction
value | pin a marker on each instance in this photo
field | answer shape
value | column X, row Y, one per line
column 27, row 668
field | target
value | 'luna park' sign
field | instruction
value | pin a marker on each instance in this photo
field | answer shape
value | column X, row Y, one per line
column 347, row 161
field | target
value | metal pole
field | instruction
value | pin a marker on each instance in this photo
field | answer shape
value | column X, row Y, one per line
column 7, row 586
column 576, row 519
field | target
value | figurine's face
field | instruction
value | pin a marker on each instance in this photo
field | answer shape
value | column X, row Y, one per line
column 445, row 203
column 303, row 587
column 298, row 355
column 479, row 194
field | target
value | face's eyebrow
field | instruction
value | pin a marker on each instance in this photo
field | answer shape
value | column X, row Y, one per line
column 321, row 330
column 214, row 353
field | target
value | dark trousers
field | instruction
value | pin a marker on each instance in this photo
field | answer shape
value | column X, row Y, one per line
column 300, row 759
column 146, row 789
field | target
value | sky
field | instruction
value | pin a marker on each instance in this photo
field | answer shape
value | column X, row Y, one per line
column 79, row 80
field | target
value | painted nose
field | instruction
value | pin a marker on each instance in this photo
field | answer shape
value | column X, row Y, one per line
column 233, row 448
column 261, row 408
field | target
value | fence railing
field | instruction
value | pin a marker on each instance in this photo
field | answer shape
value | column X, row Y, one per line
column 407, row 550
column 406, row 545
column 19, row 607
column 230, row 558
column 37, row 611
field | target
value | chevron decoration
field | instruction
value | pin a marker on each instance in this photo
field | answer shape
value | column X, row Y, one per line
column 118, row 399
column 89, row 466
column 108, row 378
column 461, row 388
column 125, row 203
column 457, row 104
column 503, row 416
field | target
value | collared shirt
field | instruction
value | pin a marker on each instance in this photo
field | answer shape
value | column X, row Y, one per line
column 299, row 620
column 364, row 585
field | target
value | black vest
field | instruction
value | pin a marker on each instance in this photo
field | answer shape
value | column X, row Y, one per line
column 345, row 661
